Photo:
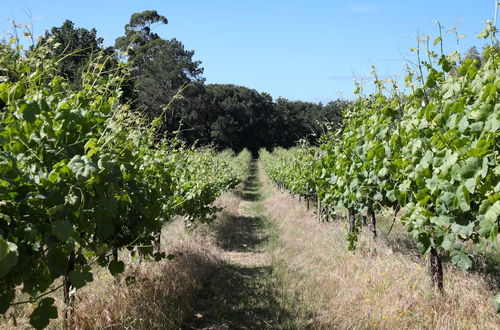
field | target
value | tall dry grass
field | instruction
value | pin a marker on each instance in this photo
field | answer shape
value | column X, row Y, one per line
column 161, row 294
column 373, row 287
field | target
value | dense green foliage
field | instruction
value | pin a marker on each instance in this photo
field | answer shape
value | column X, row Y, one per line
column 229, row 116
column 434, row 152
column 74, row 48
column 219, row 115
column 296, row 169
column 161, row 69
column 237, row 117
column 166, row 82
column 96, row 152
column 81, row 176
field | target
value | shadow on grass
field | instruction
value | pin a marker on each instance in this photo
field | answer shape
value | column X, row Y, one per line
column 241, row 233
column 251, row 186
column 486, row 265
column 403, row 244
column 239, row 297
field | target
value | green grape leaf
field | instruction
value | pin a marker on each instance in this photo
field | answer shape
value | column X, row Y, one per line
column 158, row 256
column 81, row 276
column 62, row 229
column 116, row 267
column 483, row 34
column 5, row 300
column 40, row 318
column 446, row 65
column 9, row 260
column 29, row 110
column 463, row 198
column 57, row 261
column 4, row 248
column 447, row 198
column 496, row 303
column 104, row 229
column 441, row 220
column 471, row 167
column 447, row 244
column 461, row 259
column 485, row 228
column 82, row 167
column 424, row 243
column 470, row 184
column 493, row 212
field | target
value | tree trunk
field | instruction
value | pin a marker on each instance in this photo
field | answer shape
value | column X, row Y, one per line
column 373, row 222
column 68, row 298
column 352, row 220
column 307, row 203
column 436, row 270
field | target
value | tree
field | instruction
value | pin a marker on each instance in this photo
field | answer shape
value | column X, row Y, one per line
column 76, row 47
column 138, row 33
column 296, row 120
column 229, row 116
column 161, row 70
column 161, row 73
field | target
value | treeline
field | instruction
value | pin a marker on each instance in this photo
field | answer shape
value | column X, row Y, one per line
column 165, row 81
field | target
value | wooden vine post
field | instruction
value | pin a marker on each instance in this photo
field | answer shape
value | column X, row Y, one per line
column 352, row 220
column 373, row 222
column 68, row 297
column 436, row 270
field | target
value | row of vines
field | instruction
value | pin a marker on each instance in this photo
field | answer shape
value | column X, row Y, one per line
column 82, row 177
column 433, row 153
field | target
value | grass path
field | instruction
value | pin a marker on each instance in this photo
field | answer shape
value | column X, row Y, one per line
column 282, row 269
column 241, row 295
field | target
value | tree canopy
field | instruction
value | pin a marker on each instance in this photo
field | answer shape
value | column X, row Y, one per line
column 138, row 34
column 166, row 84
column 76, row 46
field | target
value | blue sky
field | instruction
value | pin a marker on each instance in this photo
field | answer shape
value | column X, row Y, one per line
column 301, row 50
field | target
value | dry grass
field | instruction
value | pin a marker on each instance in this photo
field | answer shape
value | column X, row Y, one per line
column 160, row 298
column 371, row 288
column 221, row 231
column 311, row 281
column 162, row 293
